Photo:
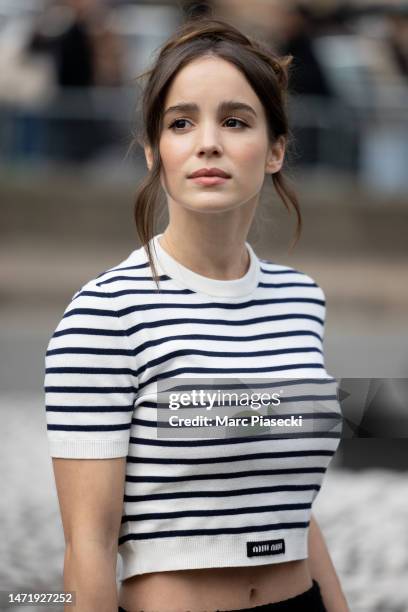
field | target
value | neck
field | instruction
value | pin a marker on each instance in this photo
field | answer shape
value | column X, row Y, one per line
column 205, row 258
column 212, row 245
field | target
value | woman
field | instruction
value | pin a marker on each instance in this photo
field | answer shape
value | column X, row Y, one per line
column 205, row 523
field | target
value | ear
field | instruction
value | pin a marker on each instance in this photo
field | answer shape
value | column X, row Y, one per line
column 276, row 155
column 148, row 156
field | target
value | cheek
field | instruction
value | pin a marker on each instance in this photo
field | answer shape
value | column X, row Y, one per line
column 251, row 153
column 249, row 161
column 174, row 153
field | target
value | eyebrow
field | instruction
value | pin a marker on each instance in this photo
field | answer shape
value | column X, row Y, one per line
column 223, row 107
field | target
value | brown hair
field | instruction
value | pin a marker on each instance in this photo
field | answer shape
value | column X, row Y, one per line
column 266, row 72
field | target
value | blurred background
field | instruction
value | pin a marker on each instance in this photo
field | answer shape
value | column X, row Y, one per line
column 68, row 175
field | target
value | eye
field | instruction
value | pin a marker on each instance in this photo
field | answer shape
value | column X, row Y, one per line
column 173, row 126
column 243, row 124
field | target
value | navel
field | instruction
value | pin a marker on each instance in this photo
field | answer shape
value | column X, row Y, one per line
column 252, row 593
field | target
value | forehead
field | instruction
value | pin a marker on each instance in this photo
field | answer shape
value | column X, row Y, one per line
column 210, row 79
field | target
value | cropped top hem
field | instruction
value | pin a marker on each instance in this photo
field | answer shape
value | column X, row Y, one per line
column 170, row 554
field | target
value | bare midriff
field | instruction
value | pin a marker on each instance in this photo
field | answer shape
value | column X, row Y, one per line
column 210, row 589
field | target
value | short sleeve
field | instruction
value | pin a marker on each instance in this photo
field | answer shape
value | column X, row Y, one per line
column 90, row 380
column 321, row 297
column 318, row 312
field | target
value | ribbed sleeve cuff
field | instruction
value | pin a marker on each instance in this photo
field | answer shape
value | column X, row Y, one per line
column 88, row 449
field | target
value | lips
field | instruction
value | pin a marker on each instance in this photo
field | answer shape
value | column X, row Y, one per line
column 210, row 172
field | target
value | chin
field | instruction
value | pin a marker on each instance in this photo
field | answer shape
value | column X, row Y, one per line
column 212, row 198
column 211, row 205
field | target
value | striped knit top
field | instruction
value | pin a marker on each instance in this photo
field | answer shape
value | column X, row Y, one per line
column 214, row 493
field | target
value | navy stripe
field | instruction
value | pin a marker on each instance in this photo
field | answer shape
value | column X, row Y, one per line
column 60, row 389
column 97, row 312
column 87, row 370
column 202, row 460
column 221, row 371
column 228, row 493
column 225, row 354
column 249, row 438
column 100, row 312
column 218, row 338
column 283, row 400
column 221, row 512
column 164, row 424
column 204, row 442
column 118, row 269
column 122, row 292
column 162, row 277
column 285, row 382
column 284, row 271
column 280, row 285
column 222, row 531
column 244, row 387
column 239, row 323
column 84, row 409
column 221, row 305
column 221, row 475
column 119, row 427
column 132, row 352
column 80, row 350
column 305, row 415
column 115, row 279
column 89, row 331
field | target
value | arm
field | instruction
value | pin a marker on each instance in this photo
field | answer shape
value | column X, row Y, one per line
column 90, row 388
column 90, row 493
column 322, row 570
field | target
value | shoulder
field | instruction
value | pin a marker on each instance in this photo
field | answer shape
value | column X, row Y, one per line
column 94, row 312
column 105, row 287
column 280, row 275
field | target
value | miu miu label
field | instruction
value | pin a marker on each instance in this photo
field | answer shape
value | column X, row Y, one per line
column 265, row 547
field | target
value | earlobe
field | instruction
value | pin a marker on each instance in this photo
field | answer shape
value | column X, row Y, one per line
column 273, row 166
column 276, row 156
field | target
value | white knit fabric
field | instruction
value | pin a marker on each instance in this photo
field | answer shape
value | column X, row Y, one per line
column 192, row 503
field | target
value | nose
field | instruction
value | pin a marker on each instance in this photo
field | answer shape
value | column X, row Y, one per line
column 208, row 140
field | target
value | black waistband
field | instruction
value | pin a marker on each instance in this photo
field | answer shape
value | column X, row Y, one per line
column 304, row 602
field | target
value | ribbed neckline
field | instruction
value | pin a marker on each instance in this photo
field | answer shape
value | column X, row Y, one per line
column 196, row 282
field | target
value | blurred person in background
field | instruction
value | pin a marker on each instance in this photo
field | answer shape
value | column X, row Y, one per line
column 307, row 78
column 297, row 31
column 398, row 39
column 74, row 53
column 87, row 54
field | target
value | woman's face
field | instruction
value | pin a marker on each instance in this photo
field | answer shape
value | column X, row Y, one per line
column 206, row 135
